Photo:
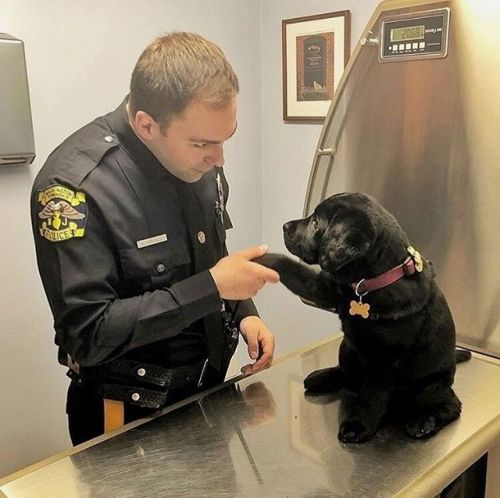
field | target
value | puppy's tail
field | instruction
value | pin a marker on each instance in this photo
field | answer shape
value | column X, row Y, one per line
column 462, row 355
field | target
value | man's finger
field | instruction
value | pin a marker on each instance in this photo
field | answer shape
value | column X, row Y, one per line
column 253, row 252
column 266, row 357
column 263, row 362
column 253, row 347
column 246, row 370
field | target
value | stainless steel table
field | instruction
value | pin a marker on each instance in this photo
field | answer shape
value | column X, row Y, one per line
column 260, row 436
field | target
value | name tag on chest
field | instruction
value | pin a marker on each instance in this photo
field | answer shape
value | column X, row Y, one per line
column 157, row 239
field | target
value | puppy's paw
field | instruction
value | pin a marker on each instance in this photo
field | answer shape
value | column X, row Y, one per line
column 422, row 427
column 353, row 431
column 278, row 262
column 326, row 380
column 424, row 424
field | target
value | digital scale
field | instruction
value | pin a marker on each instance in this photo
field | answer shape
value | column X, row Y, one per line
column 415, row 36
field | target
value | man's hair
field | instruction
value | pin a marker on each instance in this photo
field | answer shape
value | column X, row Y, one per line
column 177, row 69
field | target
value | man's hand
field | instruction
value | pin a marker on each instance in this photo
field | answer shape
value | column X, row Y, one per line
column 260, row 343
column 237, row 277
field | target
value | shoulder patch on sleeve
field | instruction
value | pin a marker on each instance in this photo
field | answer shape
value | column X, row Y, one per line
column 62, row 213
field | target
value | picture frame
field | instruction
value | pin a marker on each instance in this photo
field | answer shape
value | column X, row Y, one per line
column 315, row 51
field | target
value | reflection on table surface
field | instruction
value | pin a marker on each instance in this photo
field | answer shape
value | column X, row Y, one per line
column 261, row 436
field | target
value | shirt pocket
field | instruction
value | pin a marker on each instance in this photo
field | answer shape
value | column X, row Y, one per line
column 157, row 265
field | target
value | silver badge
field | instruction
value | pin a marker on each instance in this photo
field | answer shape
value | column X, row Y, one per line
column 219, row 205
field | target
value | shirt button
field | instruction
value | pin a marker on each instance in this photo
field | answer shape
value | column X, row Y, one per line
column 136, row 397
column 141, row 372
column 108, row 138
column 201, row 237
column 160, row 268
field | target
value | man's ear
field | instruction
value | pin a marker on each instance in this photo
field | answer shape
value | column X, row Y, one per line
column 145, row 126
column 344, row 242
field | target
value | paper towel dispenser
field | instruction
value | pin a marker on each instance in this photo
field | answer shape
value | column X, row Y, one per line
column 17, row 145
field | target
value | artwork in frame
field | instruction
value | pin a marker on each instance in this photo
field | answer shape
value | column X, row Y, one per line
column 315, row 52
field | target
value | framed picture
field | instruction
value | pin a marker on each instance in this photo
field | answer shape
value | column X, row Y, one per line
column 315, row 52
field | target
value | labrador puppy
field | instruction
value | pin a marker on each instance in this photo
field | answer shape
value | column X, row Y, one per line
column 397, row 357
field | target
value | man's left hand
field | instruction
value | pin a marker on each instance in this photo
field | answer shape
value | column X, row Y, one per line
column 260, row 341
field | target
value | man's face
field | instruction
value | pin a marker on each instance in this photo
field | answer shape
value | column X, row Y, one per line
column 192, row 144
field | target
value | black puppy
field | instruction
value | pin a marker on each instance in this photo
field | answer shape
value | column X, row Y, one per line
column 398, row 352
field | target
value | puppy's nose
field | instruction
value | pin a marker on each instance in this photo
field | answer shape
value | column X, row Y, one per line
column 286, row 227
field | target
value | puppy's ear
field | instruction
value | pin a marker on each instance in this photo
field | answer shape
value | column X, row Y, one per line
column 344, row 241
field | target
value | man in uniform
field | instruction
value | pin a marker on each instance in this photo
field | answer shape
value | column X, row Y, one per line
column 129, row 219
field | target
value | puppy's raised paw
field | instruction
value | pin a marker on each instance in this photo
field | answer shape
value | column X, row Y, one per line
column 278, row 262
column 326, row 380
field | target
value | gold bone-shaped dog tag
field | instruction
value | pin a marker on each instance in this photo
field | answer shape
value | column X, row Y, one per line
column 417, row 258
column 358, row 308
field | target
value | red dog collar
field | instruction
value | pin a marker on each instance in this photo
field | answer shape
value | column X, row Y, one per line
column 411, row 264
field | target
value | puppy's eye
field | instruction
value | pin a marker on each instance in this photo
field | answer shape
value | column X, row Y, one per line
column 314, row 224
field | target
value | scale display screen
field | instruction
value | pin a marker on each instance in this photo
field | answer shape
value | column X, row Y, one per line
column 407, row 34
column 416, row 35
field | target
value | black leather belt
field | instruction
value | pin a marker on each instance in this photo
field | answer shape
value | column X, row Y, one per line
column 183, row 377
column 142, row 384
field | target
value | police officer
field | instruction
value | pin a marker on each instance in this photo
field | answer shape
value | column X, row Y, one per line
column 129, row 219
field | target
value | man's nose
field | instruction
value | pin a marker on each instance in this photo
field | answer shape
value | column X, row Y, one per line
column 216, row 156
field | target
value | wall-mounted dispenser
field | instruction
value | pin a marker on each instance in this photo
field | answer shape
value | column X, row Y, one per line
column 17, row 145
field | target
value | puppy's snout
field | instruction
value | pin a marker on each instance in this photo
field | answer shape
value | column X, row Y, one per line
column 289, row 236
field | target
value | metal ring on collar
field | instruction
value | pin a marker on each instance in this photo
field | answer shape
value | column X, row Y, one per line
column 357, row 287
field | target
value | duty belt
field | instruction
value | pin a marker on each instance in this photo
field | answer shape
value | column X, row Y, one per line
column 139, row 383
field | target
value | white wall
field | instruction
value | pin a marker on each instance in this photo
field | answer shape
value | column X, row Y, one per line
column 79, row 57
column 287, row 154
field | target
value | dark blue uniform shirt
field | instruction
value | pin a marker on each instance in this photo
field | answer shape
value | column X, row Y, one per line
column 124, row 248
